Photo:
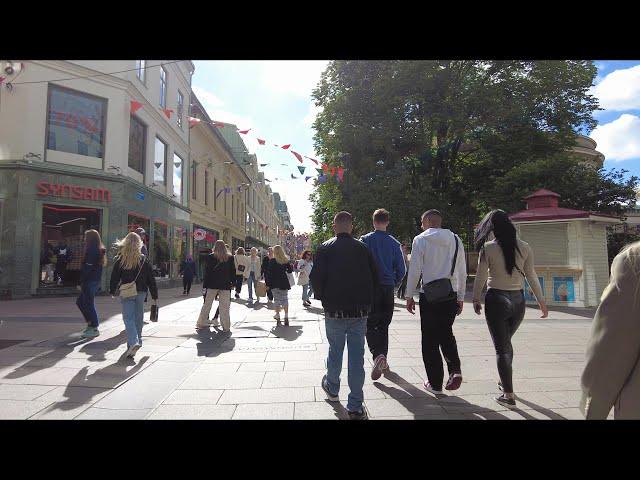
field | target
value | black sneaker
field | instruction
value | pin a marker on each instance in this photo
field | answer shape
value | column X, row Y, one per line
column 507, row 402
column 361, row 415
column 500, row 386
column 331, row 397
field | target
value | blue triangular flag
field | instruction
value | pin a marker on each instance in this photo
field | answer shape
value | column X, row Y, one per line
column 306, row 179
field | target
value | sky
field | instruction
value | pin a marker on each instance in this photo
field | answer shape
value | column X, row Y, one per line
column 273, row 99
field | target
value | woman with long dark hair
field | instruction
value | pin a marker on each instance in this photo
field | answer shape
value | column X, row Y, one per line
column 94, row 258
column 505, row 261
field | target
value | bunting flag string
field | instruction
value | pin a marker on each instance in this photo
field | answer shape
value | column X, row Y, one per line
column 306, row 179
column 298, row 156
column 302, row 169
column 135, row 106
column 167, row 112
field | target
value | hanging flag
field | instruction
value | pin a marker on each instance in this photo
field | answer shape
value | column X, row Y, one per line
column 267, row 180
column 322, row 179
column 312, row 159
column 193, row 121
column 306, row 179
column 325, row 168
column 340, row 173
column 301, row 169
column 244, row 132
column 293, row 176
column 319, row 170
column 298, row 156
column 135, row 106
column 261, row 142
column 284, row 147
column 167, row 112
column 264, row 164
column 1, row 80
column 218, row 124
column 227, row 190
column 333, row 170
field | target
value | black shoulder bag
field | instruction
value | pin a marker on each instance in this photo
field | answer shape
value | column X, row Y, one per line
column 441, row 290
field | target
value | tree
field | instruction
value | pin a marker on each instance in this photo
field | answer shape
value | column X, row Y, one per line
column 461, row 136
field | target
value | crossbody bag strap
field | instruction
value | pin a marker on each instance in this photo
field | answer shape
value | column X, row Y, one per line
column 455, row 255
column 140, row 270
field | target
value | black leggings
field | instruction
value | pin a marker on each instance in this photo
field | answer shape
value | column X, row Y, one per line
column 239, row 279
column 504, row 310
column 186, row 284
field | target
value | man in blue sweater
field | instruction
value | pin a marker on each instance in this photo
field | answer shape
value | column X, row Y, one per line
column 391, row 268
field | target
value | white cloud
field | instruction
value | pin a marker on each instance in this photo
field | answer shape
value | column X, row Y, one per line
column 292, row 77
column 296, row 194
column 619, row 90
column 311, row 114
column 619, row 140
column 208, row 99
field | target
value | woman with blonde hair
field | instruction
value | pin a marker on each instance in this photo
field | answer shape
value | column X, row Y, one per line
column 253, row 272
column 132, row 267
column 278, row 282
column 219, row 279
column 95, row 257
column 241, row 263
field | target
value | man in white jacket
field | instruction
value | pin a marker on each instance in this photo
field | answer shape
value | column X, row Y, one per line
column 432, row 257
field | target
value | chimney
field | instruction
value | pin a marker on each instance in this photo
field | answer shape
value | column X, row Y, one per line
column 542, row 199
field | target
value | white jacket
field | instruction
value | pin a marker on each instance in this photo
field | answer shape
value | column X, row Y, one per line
column 432, row 256
column 305, row 270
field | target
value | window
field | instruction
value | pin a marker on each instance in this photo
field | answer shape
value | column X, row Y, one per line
column 215, row 195
column 141, row 70
column 161, row 242
column 160, row 163
column 163, row 87
column 180, row 109
column 206, row 187
column 137, row 144
column 76, row 122
column 177, row 177
column 194, row 171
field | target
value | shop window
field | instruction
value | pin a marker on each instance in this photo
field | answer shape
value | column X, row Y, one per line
column 76, row 122
column 137, row 144
column 160, row 163
column 62, row 245
column 179, row 250
column 160, row 249
column 137, row 221
column 177, row 177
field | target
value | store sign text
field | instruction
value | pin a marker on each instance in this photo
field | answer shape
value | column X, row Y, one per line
column 74, row 192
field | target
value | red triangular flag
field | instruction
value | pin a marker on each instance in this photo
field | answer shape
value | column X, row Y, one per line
column 193, row 121
column 218, row 124
column 298, row 156
column 325, row 168
column 135, row 106
column 340, row 173
column 261, row 142
column 284, row 147
column 167, row 112
column 244, row 132
column 312, row 159
column 333, row 170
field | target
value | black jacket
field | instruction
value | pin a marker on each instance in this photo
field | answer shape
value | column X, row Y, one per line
column 276, row 276
column 188, row 269
column 145, row 279
column 344, row 276
column 265, row 267
column 219, row 275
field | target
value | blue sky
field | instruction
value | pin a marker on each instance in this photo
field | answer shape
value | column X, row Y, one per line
column 273, row 98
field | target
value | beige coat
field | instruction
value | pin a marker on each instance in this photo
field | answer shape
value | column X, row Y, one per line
column 241, row 260
column 611, row 377
column 247, row 271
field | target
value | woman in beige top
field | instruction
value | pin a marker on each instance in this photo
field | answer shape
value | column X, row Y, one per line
column 241, row 263
column 505, row 260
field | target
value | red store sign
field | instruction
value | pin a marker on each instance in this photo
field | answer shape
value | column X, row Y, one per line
column 73, row 192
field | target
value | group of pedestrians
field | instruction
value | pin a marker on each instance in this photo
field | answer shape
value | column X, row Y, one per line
column 355, row 280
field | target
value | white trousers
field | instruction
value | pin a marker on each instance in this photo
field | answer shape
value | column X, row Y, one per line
column 224, row 298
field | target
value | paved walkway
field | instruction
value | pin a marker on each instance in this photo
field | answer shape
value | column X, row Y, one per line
column 262, row 372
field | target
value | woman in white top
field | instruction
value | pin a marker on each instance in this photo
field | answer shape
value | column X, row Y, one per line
column 305, row 265
column 241, row 263
column 253, row 272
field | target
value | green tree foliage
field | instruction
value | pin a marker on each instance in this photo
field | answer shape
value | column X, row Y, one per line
column 461, row 136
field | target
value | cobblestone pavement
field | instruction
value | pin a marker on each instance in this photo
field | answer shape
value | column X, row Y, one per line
column 47, row 371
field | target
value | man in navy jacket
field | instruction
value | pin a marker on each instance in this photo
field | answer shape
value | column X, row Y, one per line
column 391, row 269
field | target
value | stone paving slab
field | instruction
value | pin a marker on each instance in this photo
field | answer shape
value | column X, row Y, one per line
column 264, row 411
column 193, row 412
column 268, row 395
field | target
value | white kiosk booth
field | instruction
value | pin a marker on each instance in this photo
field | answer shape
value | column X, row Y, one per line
column 569, row 247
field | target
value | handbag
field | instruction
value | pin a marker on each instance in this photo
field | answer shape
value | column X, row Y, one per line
column 441, row 290
column 290, row 277
column 261, row 289
column 128, row 290
column 154, row 313
column 240, row 268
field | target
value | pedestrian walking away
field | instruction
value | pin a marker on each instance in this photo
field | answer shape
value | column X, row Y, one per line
column 133, row 275
column 63, row 258
column 344, row 279
column 391, row 268
column 611, row 376
column 188, row 271
column 505, row 261
column 252, row 273
column 438, row 255
column 241, row 263
column 219, row 279
column 403, row 285
column 279, row 283
column 93, row 260
column 305, row 266
column 265, row 268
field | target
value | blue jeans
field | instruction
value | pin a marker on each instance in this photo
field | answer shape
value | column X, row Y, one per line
column 133, row 316
column 307, row 291
column 251, row 283
column 85, row 302
column 354, row 330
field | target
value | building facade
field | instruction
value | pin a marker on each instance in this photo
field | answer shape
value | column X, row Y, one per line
column 73, row 156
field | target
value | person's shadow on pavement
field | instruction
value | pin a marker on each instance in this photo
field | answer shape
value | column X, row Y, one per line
column 290, row 333
column 98, row 348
